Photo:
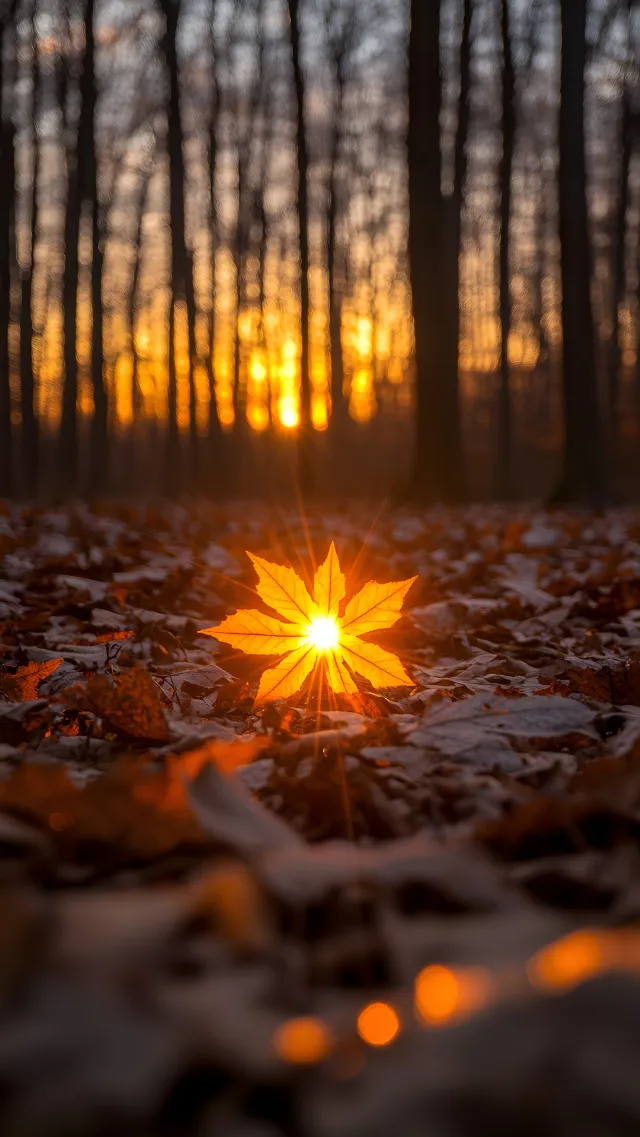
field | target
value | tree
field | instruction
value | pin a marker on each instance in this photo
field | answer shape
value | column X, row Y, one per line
column 505, row 180
column 78, row 160
column 438, row 472
column 342, row 28
column 583, row 477
column 30, row 426
column 144, row 179
column 619, row 243
column 302, row 210
column 181, row 263
column 7, row 223
column 460, row 167
column 213, row 432
column 98, row 456
column 246, row 130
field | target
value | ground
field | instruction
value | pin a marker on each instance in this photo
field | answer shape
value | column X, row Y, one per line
column 396, row 913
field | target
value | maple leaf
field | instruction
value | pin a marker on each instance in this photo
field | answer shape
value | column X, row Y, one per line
column 312, row 634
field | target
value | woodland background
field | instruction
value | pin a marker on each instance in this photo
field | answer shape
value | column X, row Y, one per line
column 347, row 249
column 220, row 221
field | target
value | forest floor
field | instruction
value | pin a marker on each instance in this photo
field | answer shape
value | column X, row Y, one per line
column 398, row 913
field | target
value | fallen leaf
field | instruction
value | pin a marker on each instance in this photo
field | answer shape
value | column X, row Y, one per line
column 316, row 633
column 130, row 706
column 21, row 685
column 231, row 816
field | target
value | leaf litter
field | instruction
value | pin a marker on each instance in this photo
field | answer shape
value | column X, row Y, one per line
column 203, row 890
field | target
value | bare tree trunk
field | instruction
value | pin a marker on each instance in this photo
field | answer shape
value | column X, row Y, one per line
column 98, row 458
column 213, row 432
column 439, row 462
column 540, row 265
column 136, row 397
column 461, row 163
column 340, row 49
column 194, row 444
column 618, row 273
column 335, row 302
column 239, row 408
column 583, row 477
column 180, row 260
column 505, row 179
column 302, row 204
column 77, row 172
column 30, row 433
column 7, row 219
column 637, row 376
column 260, row 211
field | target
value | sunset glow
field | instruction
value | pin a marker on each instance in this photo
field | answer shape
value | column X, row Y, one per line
column 376, row 358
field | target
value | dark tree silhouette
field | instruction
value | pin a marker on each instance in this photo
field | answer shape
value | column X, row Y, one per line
column 460, row 167
column 619, row 244
column 438, row 473
column 213, row 426
column 583, row 469
column 505, row 179
column 342, row 29
column 246, row 133
column 77, row 158
column 132, row 312
column 98, row 452
column 302, row 209
column 181, row 265
column 7, row 221
column 30, row 426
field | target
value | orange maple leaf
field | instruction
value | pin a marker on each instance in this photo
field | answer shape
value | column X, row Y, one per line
column 312, row 632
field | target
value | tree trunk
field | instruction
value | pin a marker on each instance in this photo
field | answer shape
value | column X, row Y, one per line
column 540, row 238
column 239, row 405
column 583, row 477
column 180, row 261
column 341, row 47
column 338, row 408
column 438, row 465
column 136, row 397
column 7, row 217
column 618, row 273
column 637, row 376
column 30, row 433
column 78, row 163
column 98, row 457
column 194, row 445
column 505, row 180
column 461, row 163
column 213, row 432
column 302, row 208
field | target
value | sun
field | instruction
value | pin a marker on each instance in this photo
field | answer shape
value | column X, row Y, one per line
column 324, row 633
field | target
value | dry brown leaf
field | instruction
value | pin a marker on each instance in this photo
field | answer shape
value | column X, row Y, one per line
column 119, row 817
column 22, row 685
column 131, row 706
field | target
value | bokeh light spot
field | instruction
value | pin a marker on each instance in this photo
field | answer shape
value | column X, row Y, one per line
column 303, row 1041
column 569, row 961
column 378, row 1024
column 437, row 994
